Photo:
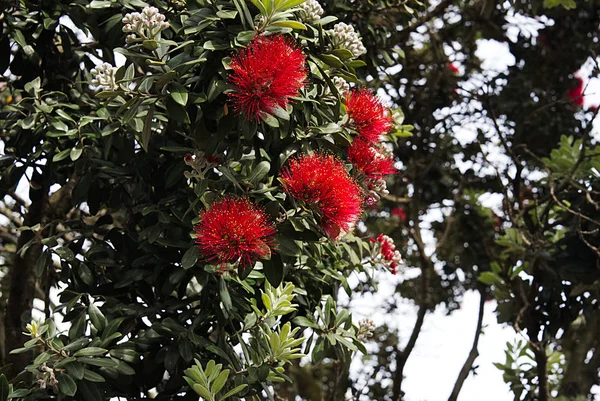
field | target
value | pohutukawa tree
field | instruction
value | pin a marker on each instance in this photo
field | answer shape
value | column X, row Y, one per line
column 191, row 207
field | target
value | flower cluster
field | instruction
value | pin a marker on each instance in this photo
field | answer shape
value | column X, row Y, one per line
column 265, row 75
column 146, row 25
column 311, row 11
column 344, row 36
column 235, row 231
column 105, row 76
column 200, row 164
column 384, row 252
column 453, row 67
column 372, row 160
column 367, row 114
column 47, row 378
column 399, row 214
column 576, row 94
column 371, row 119
column 366, row 327
column 341, row 85
column 322, row 183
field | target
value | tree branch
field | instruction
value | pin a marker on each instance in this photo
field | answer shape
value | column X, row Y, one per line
column 541, row 359
column 426, row 269
column 473, row 354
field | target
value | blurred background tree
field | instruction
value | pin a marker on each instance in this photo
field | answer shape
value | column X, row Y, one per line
column 522, row 136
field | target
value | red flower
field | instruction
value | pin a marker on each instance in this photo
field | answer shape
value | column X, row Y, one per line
column 265, row 75
column 576, row 94
column 370, row 160
column 322, row 182
column 454, row 68
column 234, row 230
column 385, row 252
column 400, row 213
column 370, row 118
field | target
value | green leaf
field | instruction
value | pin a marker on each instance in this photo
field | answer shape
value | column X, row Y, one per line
column 225, row 297
column 179, row 93
column 147, row 130
column 75, row 369
column 489, row 278
column 331, row 60
column 567, row 4
column 273, row 269
column 233, row 392
column 91, row 351
column 63, row 154
column 259, row 4
column 88, row 391
column 190, row 257
column 67, row 385
column 203, row 392
column 100, row 4
column 4, row 388
column 269, row 120
column 220, row 381
column 177, row 112
column 305, row 322
column 290, row 24
column 100, row 362
column 97, row 317
column 92, row 376
column 259, row 172
column 76, row 152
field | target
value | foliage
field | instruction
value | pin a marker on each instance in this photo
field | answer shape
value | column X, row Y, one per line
column 121, row 161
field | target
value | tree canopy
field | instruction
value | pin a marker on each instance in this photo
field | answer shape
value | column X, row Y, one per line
column 203, row 177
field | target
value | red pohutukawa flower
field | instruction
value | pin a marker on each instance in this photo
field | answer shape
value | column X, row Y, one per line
column 576, row 93
column 265, row 75
column 370, row 159
column 235, row 230
column 322, row 182
column 369, row 116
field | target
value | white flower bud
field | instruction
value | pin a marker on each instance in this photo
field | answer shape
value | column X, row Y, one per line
column 146, row 25
column 311, row 11
column 104, row 76
column 345, row 37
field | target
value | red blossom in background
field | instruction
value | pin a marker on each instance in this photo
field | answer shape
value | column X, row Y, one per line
column 576, row 94
column 369, row 116
column 370, row 159
column 265, row 75
column 322, row 181
column 235, row 230
column 399, row 213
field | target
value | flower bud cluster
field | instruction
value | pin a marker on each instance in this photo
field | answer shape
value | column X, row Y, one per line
column 104, row 76
column 200, row 164
column 311, row 11
column 47, row 378
column 340, row 84
column 345, row 37
column 366, row 327
column 384, row 252
column 146, row 25
column 376, row 188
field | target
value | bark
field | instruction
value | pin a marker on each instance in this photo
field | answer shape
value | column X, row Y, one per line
column 402, row 356
column 542, row 370
column 22, row 285
column 581, row 372
column 473, row 354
